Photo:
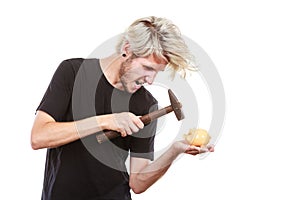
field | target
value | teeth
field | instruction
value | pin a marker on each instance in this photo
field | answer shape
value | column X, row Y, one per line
column 138, row 83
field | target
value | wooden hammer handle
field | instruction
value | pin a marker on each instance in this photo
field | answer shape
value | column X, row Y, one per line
column 106, row 135
column 146, row 119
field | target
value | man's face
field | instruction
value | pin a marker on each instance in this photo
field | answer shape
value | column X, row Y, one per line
column 137, row 71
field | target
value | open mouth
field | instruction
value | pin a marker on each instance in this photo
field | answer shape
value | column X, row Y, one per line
column 139, row 82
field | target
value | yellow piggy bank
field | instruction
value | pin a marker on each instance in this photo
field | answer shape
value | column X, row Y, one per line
column 197, row 137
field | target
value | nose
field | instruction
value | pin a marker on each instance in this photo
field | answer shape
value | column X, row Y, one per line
column 150, row 78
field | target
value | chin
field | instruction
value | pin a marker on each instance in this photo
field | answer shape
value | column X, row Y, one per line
column 133, row 90
column 130, row 90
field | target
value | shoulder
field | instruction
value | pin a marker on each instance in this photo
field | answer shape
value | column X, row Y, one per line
column 72, row 65
column 74, row 61
column 69, row 65
column 80, row 61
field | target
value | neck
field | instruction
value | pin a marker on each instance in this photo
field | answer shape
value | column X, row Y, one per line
column 111, row 67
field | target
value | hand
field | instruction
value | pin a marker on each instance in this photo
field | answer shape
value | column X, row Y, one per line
column 126, row 123
column 183, row 147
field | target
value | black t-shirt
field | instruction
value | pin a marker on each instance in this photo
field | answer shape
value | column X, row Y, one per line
column 85, row 169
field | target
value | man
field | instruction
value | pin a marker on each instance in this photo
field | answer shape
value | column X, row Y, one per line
column 87, row 96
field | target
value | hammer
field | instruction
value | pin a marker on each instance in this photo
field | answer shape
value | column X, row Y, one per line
column 146, row 119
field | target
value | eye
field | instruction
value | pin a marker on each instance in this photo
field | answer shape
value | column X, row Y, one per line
column 148, row 68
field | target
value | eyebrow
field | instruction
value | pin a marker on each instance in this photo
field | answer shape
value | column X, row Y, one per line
column 151, row 68
column 148, row 67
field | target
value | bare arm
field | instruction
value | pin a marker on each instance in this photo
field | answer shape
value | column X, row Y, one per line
column 143, row 174
column 47, row 133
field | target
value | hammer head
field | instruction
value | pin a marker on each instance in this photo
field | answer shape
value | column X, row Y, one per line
column 176, row 105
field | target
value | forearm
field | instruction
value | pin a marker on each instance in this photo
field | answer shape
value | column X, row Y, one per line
column 53, row 134
column 145, row 177
column 142, row 180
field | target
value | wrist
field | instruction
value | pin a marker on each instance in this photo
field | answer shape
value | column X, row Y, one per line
column 176, row 149
column 179, row 147
column 102, row 121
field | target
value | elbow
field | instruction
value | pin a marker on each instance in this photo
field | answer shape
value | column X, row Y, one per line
column 137, row 188
column 138, row 191
column 35, row 141
column 35, row 146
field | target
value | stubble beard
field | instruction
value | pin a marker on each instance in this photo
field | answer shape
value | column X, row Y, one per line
column 122, row 74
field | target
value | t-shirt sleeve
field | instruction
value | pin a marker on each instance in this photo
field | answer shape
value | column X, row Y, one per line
column 59, row 92
column 142, row 143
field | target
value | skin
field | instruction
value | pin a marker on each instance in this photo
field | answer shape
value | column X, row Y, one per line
column 125, row 73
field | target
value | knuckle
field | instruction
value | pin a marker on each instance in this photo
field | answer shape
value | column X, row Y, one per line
column 119, row 129
column 141, row 125
column 128, row 131
column 123, row 134
column 135, row 129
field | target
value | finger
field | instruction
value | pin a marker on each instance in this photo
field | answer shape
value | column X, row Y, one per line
column 192, row 152
column 211, row 148
column 133, row 127
column 194, row 148
column 138, row 122
column 123, row 133
column 128, row 131
column 198, row 149
column 203, row 150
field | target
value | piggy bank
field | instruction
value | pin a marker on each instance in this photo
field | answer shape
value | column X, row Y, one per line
column 197, row 137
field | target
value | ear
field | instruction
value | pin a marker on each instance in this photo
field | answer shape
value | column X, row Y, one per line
column 126, row 49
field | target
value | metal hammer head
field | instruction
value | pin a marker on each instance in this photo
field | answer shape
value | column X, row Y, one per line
column 176, row 105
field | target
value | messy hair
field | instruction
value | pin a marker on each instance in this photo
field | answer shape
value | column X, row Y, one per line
column 158, row 36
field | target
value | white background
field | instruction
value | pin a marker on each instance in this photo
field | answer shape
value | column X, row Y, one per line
column 255, row 46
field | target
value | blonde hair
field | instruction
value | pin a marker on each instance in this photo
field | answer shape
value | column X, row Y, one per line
column 158, row 36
